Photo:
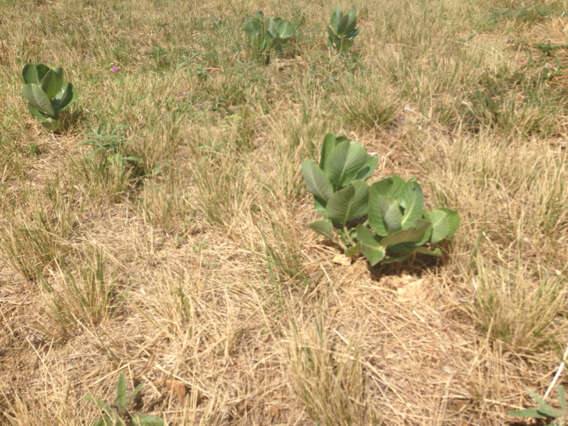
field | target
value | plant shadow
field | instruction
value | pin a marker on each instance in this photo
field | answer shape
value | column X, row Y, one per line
column 414, row 265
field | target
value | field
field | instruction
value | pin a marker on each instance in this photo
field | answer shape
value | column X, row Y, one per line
column 162, row 232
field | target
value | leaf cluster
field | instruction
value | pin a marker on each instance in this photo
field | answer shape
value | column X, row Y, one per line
column 543, row 411
column 385, row 221
column 264, row 35
column 47, row 93
column 117, row 414
column 342, row 29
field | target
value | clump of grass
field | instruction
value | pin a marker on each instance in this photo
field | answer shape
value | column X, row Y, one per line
column 518, row 307
column 36, row 235
column 330, row 384
column 368, row 103
column 87, row 297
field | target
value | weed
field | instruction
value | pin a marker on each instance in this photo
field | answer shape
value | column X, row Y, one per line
column 386, row 222
column 118, row 414
column 558, row 417
column 47, row 94
column 264, row 35
column 342, row 29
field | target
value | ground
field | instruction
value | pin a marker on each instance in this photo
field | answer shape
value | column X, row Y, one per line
column 162, row 232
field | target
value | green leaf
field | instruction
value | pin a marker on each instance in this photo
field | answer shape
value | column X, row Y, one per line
column 528, row 412
column 430, row 252
column 280, row 28
column 101, row 404
column 385, row 216
column 121, row 398
column 33, row 73
column 335, row 18
column 37, row 113
column 562, row 398
column 351, row 21
column 134, row 393
column 37, row 97
column 329, row 144
column 52, row 82
column 412, row 201
column 64, row 97
column 344, row 163
column 316, row 181
column 392, row 186
column 445, row 222
column 143, row 420
column 348, row 204
column 372, row 249
column 409, row 235
column 366, row 172
column 543, row 407
column 323, row 227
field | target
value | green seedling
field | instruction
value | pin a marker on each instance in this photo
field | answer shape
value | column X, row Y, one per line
column 386, row 221
column 398, row 226
column 342, row 30
column 264, row 35
column 553, row 416
column 117, row 413
column 47, row 94
column 338, row 186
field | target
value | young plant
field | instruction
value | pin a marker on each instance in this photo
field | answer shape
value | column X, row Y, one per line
column 117, row 414
column 339, row 188
column 47, row 94
column 386, row 222
column 543, row 411
column 342, row 30
column 264, row 35
column 398, row 226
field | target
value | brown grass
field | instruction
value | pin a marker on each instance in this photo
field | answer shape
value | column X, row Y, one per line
column 192, row 270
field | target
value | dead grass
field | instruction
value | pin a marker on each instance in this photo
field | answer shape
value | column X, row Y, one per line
column 191, row 269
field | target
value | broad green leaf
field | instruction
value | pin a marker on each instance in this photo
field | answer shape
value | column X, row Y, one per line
column 319, row 206
column 323, row 227
column 280, row 28
column 121, row 398
column 392, row 186
column 33, row 73
column 329, row 144
column 348, row 204
column 37, row 97
column 37, row 113
column 372, row 249
column 368, row 169
column 344, row 163
column 254, row 26
column 64, row 97
column 335, row 18
column 444, row 223
column 352, row 19
column 412, row 201
column 384, row 213
column 410, row 235
column 52, row 82
column 316, row 181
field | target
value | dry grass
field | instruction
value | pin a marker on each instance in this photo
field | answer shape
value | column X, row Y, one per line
column 190, row 268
